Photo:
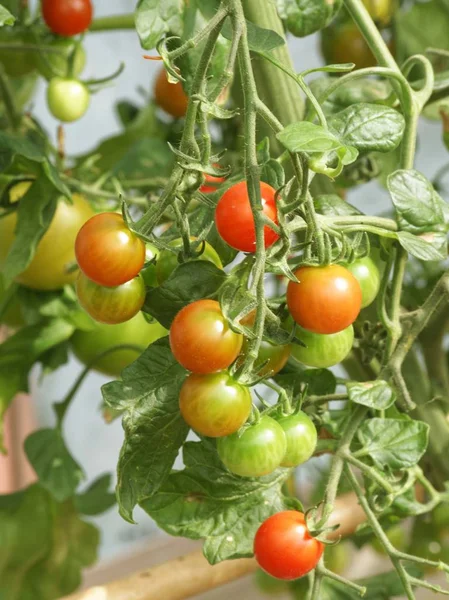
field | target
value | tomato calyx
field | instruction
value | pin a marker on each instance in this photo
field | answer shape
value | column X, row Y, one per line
column 315, row 517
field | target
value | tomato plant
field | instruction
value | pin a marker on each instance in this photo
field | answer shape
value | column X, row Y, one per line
column 211, row 184
column 234, row 219
column 323, row 350
column 201, row 339
column 259, row 450
column 16, row 63
column 301, row 436
column 367, row 274
column 67, row 17
column 107, row 251
column 214, row 404
column 168, row 261
column 68, row 99
column 111, row 305
column 284, row 547
column 326, row 299
column 56, row 64
column 170, row 96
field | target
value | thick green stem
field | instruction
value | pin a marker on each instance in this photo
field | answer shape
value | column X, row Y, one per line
column 113, row 22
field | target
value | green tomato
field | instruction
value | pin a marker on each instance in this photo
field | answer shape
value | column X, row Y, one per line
column 68, row 99
column 16, row 63
column 271, row 586
column 56, row 64
column 259, row 450
column 168, row 261
column 337, row 558
column 301, row 436
column 396, row 535
column 86, row 345
column 149, row 272
column 323, row 350
column 368, row 276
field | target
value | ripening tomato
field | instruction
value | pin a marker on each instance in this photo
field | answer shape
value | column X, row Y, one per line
column 215, row 404
column 111, row 305
column 56, row 64
column 67, row 17
column 258, row 451
column 168, row 261
column 201, row 339
column 301, row 436
column 67, row 99
column 326, row 299
column 367, row 274
column 170, row 96
column 234, row 218
column 87, row 345
column 55, row 251
column 107, row 251
column 323, row 350
column 284, row 548
column 211, row 183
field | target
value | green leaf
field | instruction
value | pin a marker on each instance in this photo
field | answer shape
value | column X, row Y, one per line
column 319, row 381
column 422, row 26
column 147, row 158
column 334, row 205
column 394, row 443
column 190, row 281
column 154, row 18
column 97, row 498
column 375, row 394
column 427, row 246
column 12, row 145
column 419, row 208
column 6, row 18
column 43, row 546
column 201, row 220
column 353, row 92
column 58, row 472
column 208, row 7
column 154, row 428
column 259, row 39
column 205, row 501
column 368, row 127
column 34, row 215
column 304, row 17
column 308, row 137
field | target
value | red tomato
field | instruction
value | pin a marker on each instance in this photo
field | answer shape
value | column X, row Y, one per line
column 284, row 548
column 67, row 17
column 107, row 251
column 201, row 340
column 234, row 218
column 170, row 96
column 211, row 184
column 326, row 299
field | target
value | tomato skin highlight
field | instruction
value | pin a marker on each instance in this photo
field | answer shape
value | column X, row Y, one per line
column 234, row 218
column 111, row 305
column 367, row 274
column 168, row 261
column 67, row 17
column 107, row 251
column 323, row 350
column 87, row 345
column 301, row 436
column 68, row 99
column 326, row 300
column 284, row 548
column 214, row 405
column 201, row 340
column 55, row 251
column 258, row 451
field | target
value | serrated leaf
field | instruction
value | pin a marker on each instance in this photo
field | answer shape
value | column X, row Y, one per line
column 304, row 17
column 97, row 498
column 154, row 18
column 334, row 205
column 375, row 394
column 308, row 137
column 368, row 127
column 190, row 281
column 6, row 18
column 393, row 443
column 154, row 428
column 427, row 246
column 273, row 174
column 205, row 501
column 58, row 472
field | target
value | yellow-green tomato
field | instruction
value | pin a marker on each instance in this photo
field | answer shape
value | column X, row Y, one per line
column 301, row 436
column 321, row 350
column 367, row 274
column 56, row 64
column 56, row 250
column 168, row 261
column 68, row 99
column 87, row 345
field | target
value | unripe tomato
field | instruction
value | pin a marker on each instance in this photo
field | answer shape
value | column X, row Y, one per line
column 15, row 62
column 284, row 548
column 214, row 405
column 67, row 17
column 107, row 251
column 258, row 451
column 381, row 11
column 168, row 261
column 301, row 436
column 149, row 272
column 368, row 276
column 326, row 299
column 56, row 250
column 201, row 339
column 111, row 305
column 323, row 350
column 234, row 218
column 87, row 345
column 55, row 64
column 170, row 96
column 68, row 99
